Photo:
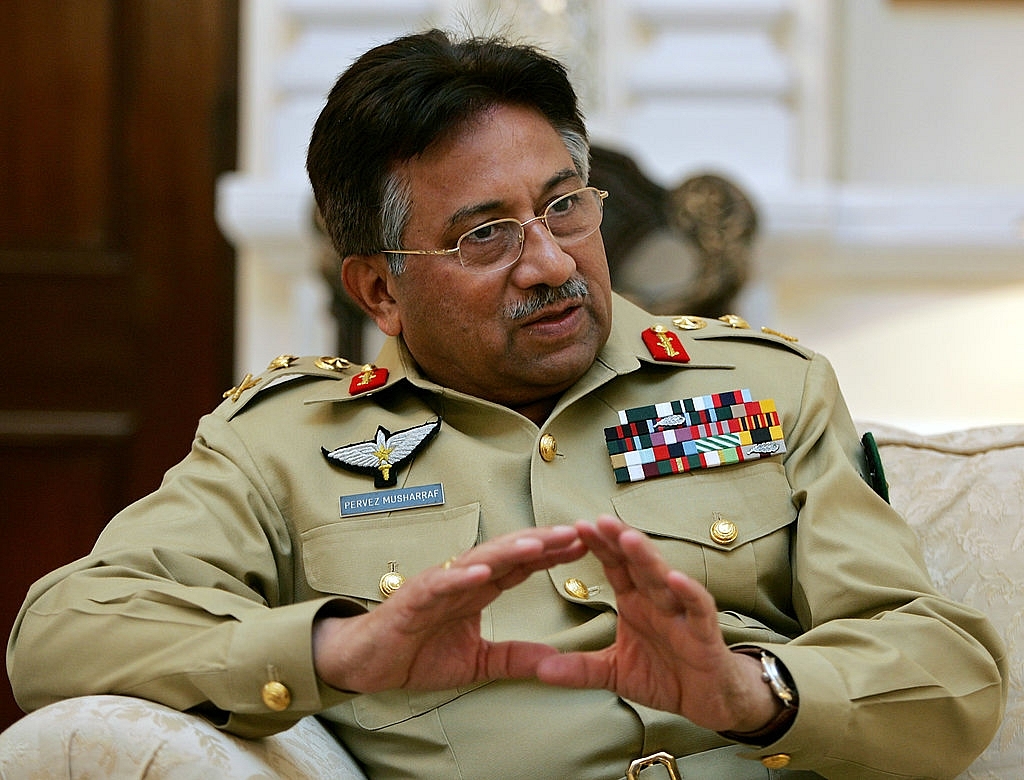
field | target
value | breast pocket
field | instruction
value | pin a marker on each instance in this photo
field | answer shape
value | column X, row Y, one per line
column 349, row 557
column 727, row 527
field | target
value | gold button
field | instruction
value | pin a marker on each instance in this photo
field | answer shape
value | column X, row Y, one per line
column 576, row 588
column 548, row 447
column 724, row 531
column 777, row 761
column 391, row 582
column 276, row 696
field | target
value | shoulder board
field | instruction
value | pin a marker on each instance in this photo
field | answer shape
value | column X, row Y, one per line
column 732, row 326
column 281, row 370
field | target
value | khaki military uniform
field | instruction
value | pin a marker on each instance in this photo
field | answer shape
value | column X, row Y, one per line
column 204, row 592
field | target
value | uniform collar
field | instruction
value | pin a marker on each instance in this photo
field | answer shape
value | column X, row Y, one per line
column 623, row 353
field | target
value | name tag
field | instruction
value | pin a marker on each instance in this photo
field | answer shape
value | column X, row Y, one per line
column 392, row 500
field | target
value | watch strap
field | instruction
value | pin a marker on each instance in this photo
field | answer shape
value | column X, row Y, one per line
column 776, row 677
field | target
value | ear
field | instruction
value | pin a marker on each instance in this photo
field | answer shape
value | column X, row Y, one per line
column 367, row 279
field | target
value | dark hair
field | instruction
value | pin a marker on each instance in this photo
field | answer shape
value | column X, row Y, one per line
column 397, row 99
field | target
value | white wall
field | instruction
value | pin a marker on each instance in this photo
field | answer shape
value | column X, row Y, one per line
column 930, row 93
column 879, row 138
column 916, row 299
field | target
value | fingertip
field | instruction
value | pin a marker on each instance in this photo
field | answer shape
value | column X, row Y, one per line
column 573, row 551
column 551, row 669
column 679, row 581
column 528, row 542
column 476, row 572
column 631, row 538
column 563, row 535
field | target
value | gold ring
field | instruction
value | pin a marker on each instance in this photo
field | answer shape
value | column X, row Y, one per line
column 448, row 564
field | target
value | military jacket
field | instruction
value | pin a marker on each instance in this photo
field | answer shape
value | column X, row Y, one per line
column 200, row 594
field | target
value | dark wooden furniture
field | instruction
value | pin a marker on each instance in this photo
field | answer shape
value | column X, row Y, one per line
column 116, row 287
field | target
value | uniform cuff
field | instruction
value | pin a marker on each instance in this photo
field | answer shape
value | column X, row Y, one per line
column 269, row 672
column 824, row 712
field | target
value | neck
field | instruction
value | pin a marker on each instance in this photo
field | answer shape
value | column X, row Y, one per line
column 537, row 411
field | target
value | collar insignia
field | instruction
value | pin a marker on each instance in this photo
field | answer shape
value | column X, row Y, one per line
column 693, row 433
column 383, row 455
column 664, row 345
column 369, row 378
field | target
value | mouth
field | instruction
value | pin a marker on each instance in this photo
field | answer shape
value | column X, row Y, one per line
column 555, row 321
column 554, row 313
column 548, row 303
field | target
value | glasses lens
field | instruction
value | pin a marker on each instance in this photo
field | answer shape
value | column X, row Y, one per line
column 575, row 216
column 491, row 246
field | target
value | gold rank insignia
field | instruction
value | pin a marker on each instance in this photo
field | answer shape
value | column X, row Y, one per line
column 331, row 363
column 248, row 382
column 281, row 362
column 369, row 378
column 735, row 321
column 779, row 334
column 687, row 322
column 665, row 345
column 385, row 453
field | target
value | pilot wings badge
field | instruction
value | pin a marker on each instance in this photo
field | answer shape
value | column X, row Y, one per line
column 385, row 453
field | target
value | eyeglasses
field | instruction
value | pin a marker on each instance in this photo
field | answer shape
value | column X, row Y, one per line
column 498, row 244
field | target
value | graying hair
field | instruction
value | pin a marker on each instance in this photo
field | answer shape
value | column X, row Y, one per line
column 394, row 215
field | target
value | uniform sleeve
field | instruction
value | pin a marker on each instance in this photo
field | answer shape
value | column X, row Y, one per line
column 186, row 600
column 894, row 680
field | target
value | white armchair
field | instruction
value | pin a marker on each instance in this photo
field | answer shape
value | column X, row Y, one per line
column 962, row 492
column 122, row 738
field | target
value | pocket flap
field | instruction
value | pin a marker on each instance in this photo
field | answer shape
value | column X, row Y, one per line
column 754, row 496
column 349, row 557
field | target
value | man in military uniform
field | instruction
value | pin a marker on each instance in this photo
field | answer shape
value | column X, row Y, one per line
column 398, row 547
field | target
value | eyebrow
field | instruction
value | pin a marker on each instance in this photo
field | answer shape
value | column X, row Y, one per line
column 491, row 205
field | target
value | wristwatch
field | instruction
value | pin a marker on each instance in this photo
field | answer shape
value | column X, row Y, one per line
column 777, row 678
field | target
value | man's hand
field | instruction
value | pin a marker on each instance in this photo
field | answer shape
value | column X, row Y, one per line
column 426, row 636
column 669, row 652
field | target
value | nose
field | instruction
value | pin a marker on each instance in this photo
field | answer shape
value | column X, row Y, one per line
column 543, row 261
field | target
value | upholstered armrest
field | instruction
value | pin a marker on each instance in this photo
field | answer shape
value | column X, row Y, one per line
column 963, row 494
column 123, row 737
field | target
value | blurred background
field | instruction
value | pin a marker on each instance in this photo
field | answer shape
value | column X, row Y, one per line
column 157, row 239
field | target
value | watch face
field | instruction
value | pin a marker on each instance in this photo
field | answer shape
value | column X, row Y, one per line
column 773, row 676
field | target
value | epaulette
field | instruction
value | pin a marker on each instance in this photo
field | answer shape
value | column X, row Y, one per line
column 284, row 368
column 734, row 326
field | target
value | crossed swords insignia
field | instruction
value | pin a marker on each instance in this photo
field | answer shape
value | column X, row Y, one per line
column 385, row 453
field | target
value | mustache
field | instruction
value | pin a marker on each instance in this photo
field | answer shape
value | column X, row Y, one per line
column 542, row 297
